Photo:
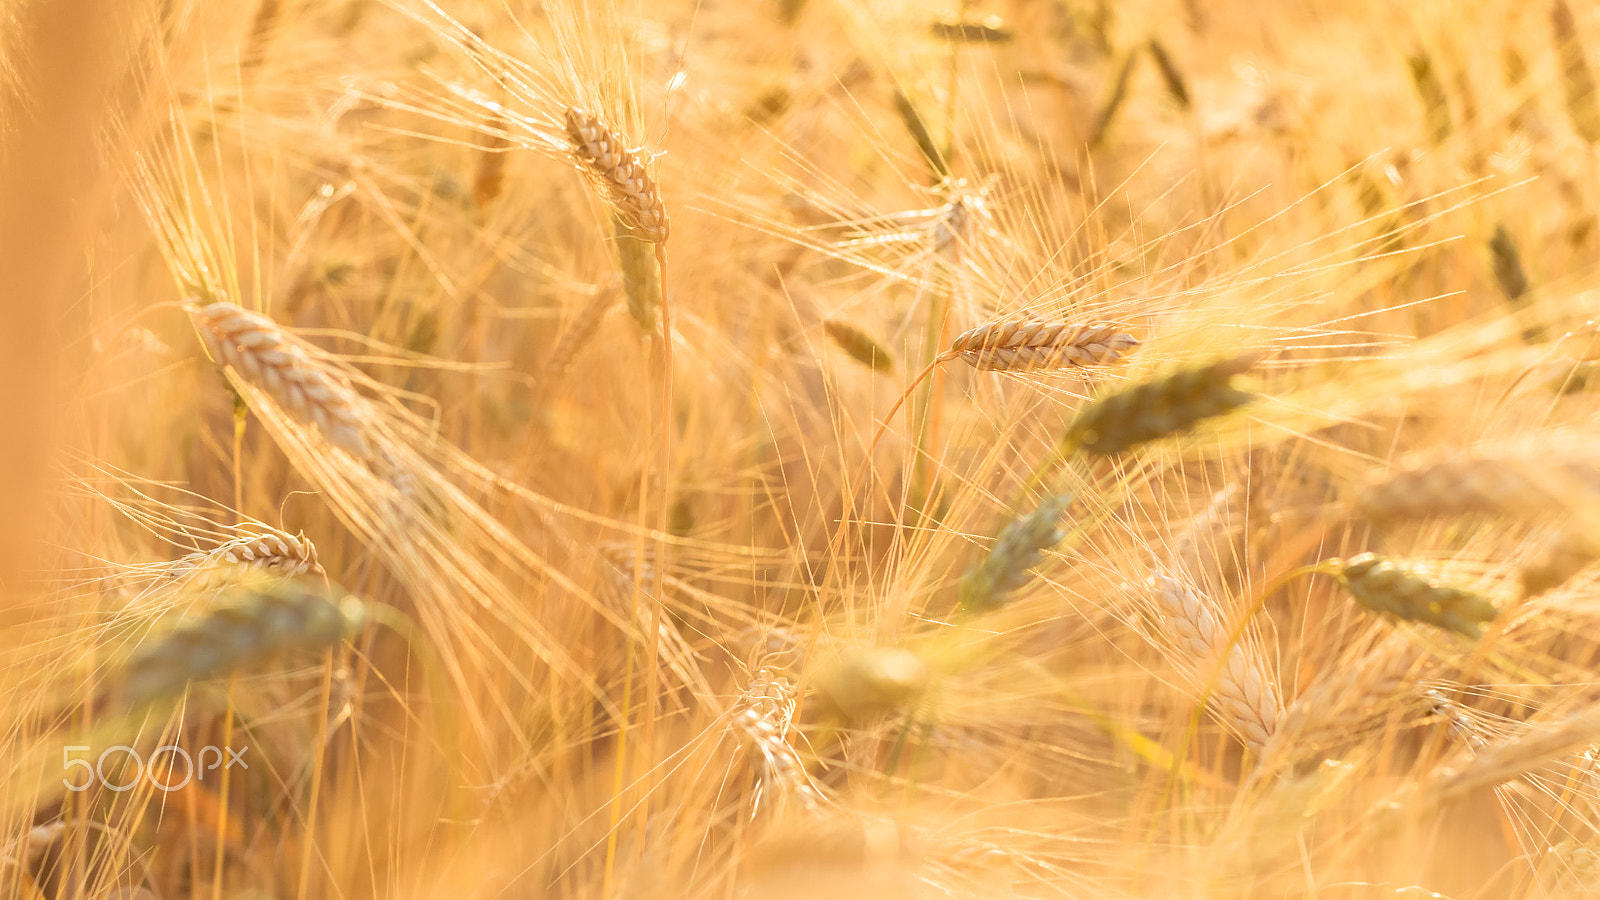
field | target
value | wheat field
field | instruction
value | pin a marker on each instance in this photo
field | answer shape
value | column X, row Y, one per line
column 799, row 448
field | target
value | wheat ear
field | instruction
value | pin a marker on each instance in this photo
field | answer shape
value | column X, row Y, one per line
column 1020, row 546
column 1165, row 405
column 1577, row 79
column 1240, row 690
column 860, row 346
column 271, row 552
column 1561, row 556
column 1381, row 585
column 249, row 625
column 762, row 716
column 1032, row 346
column 311, row 392
column 604, row 155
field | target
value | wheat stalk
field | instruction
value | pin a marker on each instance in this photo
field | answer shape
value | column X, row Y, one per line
column 250, row 624
column 270, row 552
column 1240, row 691
column 604, row 156
column 1032, row 346
column 311, row 392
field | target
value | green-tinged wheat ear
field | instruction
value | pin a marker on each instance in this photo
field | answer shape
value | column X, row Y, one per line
column 270, row 552
column 1165, row 405
column 310, row 391
column 1170, row 75
column 1561, row 556
column 859, row 345
column 249, row 624
column 1508, row 273
column 1523, row 487
column 626, row 183
column 1114, row 102
column 1431, row 91
column 641, row 280
column 938, row 166
column 1032, row 346
column 1577, row 79
column 1007, row 567
column 1381, row 585
column 868, row 682
column 990, row 31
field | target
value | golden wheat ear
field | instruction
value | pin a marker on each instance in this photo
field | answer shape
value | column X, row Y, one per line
column 1033, row 346
column 1233, row 679
column 311, row 392
column 623, row 179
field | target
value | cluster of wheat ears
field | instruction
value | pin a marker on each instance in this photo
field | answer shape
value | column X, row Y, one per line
column 864, row 448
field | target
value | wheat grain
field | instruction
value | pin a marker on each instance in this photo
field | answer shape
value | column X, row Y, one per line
column 1383, row 586
column 1240, row 691
column 1160, row 407
column 264, row 356
column 1032, row 346
column 604, row 155
column 250, row 624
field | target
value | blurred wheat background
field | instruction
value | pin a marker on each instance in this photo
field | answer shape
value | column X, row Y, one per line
column 797, row 448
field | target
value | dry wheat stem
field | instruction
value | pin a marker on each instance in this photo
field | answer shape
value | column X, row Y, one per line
column 311, row 392
column 626, row 183
column 1032, row 346
column 1242, row 694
